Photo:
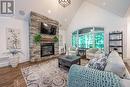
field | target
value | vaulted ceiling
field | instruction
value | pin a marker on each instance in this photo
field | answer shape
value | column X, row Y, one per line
column 118, row 7
column 49, row 8
column 52, row 9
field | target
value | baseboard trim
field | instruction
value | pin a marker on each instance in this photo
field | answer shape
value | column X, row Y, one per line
column 3, row 64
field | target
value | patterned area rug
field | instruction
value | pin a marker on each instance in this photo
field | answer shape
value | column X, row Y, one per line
column 47, row 74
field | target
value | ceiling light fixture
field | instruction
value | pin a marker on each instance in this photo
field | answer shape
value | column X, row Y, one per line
column 64, row 3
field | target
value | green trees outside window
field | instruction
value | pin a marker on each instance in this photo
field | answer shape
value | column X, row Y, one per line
column 74, row 39
column 99, row 40
column 88, row 38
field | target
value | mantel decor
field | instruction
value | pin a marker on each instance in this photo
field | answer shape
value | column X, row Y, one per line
column 55, row 39
column 37, row 38
column 64, row 3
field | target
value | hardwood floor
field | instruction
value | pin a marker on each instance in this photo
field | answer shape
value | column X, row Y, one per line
column 12, row 77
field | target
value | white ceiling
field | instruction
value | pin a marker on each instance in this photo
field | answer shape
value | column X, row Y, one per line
column 118, row 7
column 52, row 9
column 49, row 8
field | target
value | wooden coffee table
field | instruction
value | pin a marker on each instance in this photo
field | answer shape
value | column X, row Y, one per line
column 68, row 61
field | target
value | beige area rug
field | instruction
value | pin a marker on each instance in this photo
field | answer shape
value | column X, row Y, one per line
column 46, row 74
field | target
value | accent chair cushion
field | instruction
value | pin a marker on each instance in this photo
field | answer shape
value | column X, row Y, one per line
column 92, row 50
column 72, row 49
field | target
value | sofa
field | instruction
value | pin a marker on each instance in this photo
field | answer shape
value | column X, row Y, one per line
column 72, row 51
column 114, row 65
column 90, row 53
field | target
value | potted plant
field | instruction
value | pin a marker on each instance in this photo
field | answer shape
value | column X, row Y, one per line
column 37, row 38
column 55, row 39
column 13, row 50
column 13, row 56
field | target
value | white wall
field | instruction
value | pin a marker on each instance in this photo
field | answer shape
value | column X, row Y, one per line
column 90, row 15
column 128, row 37
column 63, row 39
column 7, row 22
column 57, row 12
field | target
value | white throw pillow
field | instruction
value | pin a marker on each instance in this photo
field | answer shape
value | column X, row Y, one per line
column 117, row 68
column 115, row 64
column 113, row 54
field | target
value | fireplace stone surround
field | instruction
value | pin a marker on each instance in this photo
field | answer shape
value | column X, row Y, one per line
column 34, row 28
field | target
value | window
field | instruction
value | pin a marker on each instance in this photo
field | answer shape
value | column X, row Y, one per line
column 99, row 40
column 92, row 37
column 74, row 39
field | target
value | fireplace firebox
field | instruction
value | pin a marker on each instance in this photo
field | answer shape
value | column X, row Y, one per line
column 47, row 49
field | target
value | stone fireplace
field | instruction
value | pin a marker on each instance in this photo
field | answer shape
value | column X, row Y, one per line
column 47, row 49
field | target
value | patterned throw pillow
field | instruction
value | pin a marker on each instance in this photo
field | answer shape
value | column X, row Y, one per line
column 98, row 63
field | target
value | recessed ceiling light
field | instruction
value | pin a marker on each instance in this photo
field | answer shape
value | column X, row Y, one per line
column 49, row 11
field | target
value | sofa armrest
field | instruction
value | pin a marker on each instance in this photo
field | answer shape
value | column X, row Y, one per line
column 125, row 83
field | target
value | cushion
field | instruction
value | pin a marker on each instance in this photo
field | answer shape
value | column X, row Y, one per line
column 99, row 51
column 116, row 68
column 99, row 55
column 90, row 54
column 113, row 54
column 115, row 64
column 72, row 49
column 92, row 50
column 98, row 63
column 125, row 83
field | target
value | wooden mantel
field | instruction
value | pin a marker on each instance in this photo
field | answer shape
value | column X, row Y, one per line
column 47, row 40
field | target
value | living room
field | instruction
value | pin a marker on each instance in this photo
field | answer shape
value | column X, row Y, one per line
column 55, row 43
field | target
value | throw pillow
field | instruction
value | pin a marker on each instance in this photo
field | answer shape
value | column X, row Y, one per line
column 98, row 63
column 116, row 65
column 99, row 55
column 117, row 68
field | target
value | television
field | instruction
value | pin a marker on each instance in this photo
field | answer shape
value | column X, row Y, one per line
column 48, row 29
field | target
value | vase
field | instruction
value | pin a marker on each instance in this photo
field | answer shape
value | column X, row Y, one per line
column 14, row 60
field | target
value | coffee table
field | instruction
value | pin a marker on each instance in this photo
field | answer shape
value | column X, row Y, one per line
column 68, row 61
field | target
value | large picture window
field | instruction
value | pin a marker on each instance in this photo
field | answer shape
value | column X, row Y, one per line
column 74, row 39
column 92, row 37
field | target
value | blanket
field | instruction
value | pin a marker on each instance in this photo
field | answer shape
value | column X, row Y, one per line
column 80, row 76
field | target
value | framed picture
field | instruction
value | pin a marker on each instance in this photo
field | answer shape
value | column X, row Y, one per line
column 13, row 38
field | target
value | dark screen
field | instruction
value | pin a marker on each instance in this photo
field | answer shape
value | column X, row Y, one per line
column 48, row 29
